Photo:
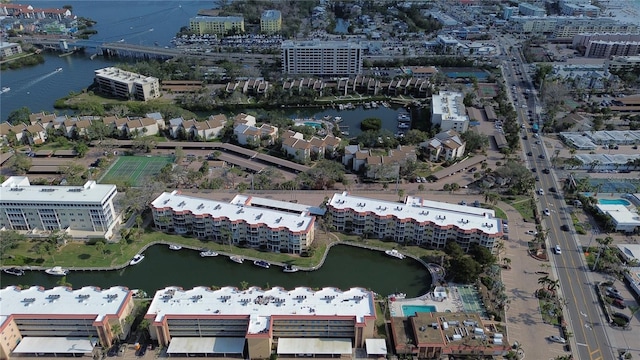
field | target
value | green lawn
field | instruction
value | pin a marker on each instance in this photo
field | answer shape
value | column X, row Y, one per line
column 523, row 206
column 387, row 245
column 80, row 254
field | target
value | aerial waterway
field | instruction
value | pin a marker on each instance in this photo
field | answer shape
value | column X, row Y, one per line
column 344, row 267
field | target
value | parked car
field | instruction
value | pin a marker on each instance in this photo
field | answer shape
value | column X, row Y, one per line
column 619, row 304
column 615, row 296
column 531, row 232
column 557, row 339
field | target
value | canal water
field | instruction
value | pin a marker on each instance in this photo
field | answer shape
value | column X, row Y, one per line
column 345, row 267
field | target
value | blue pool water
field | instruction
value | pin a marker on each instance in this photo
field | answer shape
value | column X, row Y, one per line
column 314, row 124
column 614, row 202
column 410, row 310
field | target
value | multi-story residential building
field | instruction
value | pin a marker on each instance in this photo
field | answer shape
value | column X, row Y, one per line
column 295, row 145
column 583, row 40
column 9, row 49
column 448, row 111
column 62, row 322
column 447, row 145
column 566, row 27
column 270, row 21
column 83, row 211
column 335, row 58
column 509, row 11
column 126, row 84
column 621, row 63
column 527, row 9
column 571, row 9
column 251, row 323
column 220, row 25
column 238, row 221
column 264, row 135
column 417, row 221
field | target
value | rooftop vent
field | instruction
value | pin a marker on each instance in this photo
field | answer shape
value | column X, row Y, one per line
column 182, row 203
column 29, row 300
column 16, row 189
column 75, row 190
column 47, row 190
column 83, row 296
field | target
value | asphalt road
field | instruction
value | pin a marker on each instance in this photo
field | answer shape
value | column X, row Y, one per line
column 582, row 311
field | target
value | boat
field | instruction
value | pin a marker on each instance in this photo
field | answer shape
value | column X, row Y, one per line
column 139, row 294
column 403, row 126
column 208, row 253
column 175, row 247
column 237, row 259
column 337, row 119
column 262, row 264
column 57, row 271
column 395, row 253
column 58, row 69
column 136, row 259
column 5, row 90
column 14, row 271
column 290, row 269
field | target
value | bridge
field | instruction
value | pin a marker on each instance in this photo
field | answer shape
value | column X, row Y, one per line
column 122, row 49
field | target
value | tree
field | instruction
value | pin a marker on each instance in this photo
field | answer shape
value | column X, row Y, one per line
column 100, row 247
column 371, row 124
column 482, row 255
column 507, row 262
column 143, row 144
column 400, row 194
column 98, row 131
column 475, row 141
column 81, row 149
column 10, row 240
column 19, row 116
column 20, row 163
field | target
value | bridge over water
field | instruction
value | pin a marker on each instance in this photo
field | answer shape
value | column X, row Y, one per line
column 122, row 49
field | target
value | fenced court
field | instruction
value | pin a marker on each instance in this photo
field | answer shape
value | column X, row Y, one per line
column 619, row 186
column 471, row 301
column 136, row 169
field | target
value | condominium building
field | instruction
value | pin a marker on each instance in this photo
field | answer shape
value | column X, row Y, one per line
column 126, row 84
column 258, row 223
column 527, row 9
column 618, row 63
column 9, row 49
column 255, row 323
column 566, row 27
column 334, row 58
column 606, row 49
column 571, row 9
column 220, row 25
column 82, row 211
column 583, row 40
column 417, row 221
column 270, row 21
column 62, row 322
column 448, row 111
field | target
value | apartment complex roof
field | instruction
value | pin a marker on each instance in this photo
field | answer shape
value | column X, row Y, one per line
column 277, row 205
column 18, row 189
column 234, row 212
column 449, row 104
column 62, row 300
column 421, row 210
column 260, row 305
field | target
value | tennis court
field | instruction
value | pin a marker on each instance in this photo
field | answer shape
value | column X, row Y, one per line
column 136, row 169
column 620, row 186
column 471, row 301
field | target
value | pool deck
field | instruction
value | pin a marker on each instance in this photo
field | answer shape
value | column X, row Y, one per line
column 453, row 302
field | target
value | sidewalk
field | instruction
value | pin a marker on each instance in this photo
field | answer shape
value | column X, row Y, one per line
column 524, row 321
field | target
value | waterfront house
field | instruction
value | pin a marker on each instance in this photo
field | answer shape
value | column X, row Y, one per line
column 264, row 135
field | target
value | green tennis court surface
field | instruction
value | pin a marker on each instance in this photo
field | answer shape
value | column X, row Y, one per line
column 471, row 301
column 136, row 169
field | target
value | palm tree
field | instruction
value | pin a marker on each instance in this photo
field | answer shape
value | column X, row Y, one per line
column 507, row 262
column 552, row 285
column 116, row 329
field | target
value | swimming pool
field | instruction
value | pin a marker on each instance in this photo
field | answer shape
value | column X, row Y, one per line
column 313, row 124
column 614, row 202
column 410, row 310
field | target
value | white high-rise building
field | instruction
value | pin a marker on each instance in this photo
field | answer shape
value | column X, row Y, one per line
column 448, row 111
column 84, row 211
column 333, row 58
column 127, row 85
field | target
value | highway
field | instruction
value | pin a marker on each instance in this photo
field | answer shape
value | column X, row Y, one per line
column 582, row 311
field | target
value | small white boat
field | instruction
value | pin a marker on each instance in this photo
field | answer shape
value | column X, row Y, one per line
column 136, row 259
column 403, row 126
column 175, row 247
column 290, row 269
column 395, row 253
column 262, row 264
column 14, row 271
column 208, row 253
column 58, row 69
column 236, row 259
column 57, row 271
column 5, row 90
column 337, row 119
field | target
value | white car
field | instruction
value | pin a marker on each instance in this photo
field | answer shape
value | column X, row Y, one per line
column 557, row 249
column 531, row 232
column 557, row 339
column 547, row 212
column 540, row 191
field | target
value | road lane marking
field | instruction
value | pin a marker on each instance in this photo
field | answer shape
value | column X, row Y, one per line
column 581, row 344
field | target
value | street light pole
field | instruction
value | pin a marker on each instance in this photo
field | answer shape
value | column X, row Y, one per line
column 594, row 232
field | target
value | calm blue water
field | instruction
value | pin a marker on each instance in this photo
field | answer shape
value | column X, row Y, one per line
column 614, row 202
column 410, row 310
